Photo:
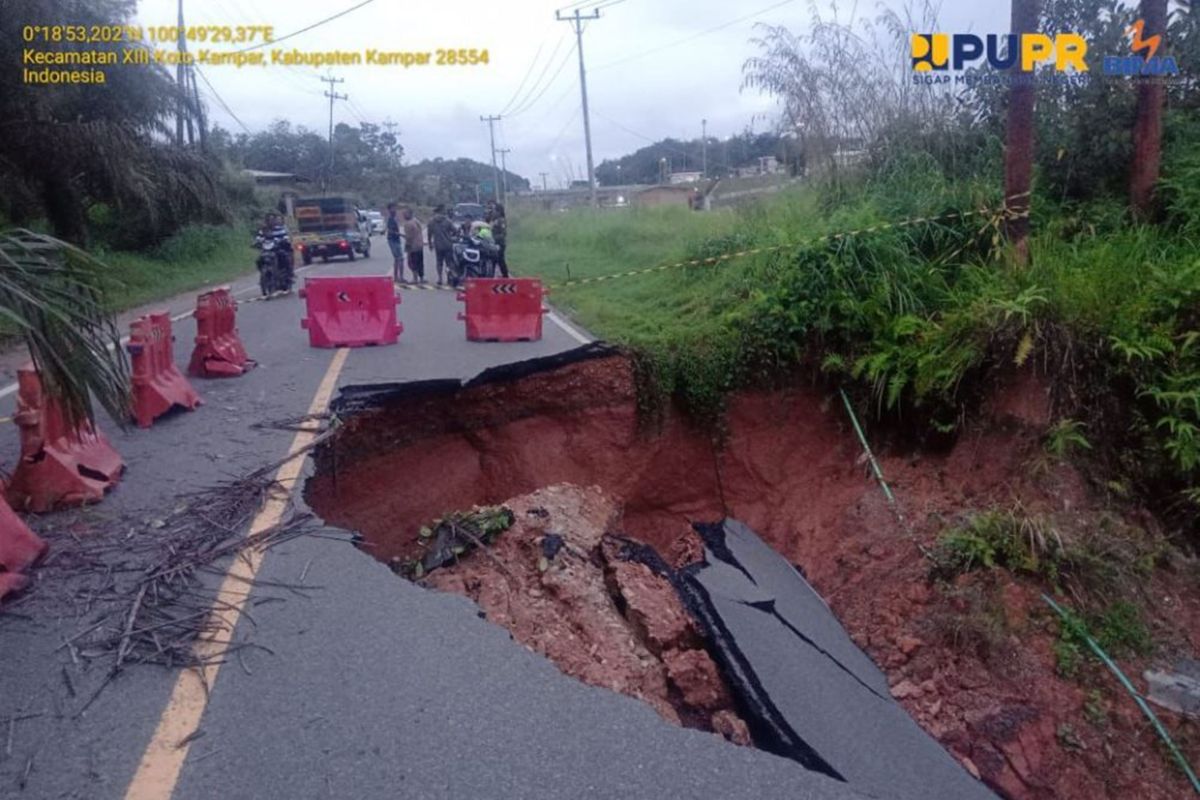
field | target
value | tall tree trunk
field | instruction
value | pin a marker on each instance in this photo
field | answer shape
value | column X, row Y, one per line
column 1018, row 151
column 1147, row 125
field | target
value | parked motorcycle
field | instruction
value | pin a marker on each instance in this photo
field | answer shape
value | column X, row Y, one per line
column 474, row 257
column 274, row 264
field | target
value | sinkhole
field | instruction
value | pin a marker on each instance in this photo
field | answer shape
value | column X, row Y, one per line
column 536, row 490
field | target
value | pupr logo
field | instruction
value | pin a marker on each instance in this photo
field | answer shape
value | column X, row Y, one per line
column 945, row 52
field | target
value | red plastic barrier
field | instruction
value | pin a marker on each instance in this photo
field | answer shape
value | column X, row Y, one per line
column 503, row 309
column 20, row 548
column 219, row 352
column 59, row 465
column 158, row 385
column 350, row 311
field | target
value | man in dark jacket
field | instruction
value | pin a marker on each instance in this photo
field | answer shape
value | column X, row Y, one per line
column 499, row 224
column 441, row 241
column 394, row 243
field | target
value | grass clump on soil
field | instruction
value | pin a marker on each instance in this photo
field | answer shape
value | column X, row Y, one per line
column 1096, row 559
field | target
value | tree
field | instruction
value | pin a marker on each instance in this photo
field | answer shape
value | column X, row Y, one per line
column 1147, row 125
column 50, row 294
column 66, row 148
column 1019, row 140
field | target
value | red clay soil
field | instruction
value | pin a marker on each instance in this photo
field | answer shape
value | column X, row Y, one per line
column 608, row 621
column 792, row 470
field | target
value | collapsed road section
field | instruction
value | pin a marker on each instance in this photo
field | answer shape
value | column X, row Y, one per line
column 534, row 490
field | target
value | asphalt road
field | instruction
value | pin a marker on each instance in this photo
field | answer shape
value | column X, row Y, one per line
column 364, row 687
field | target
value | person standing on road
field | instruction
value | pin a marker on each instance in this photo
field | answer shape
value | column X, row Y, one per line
column 441, row 241
column 414, row 243
column 394, row 243
column 499, row 224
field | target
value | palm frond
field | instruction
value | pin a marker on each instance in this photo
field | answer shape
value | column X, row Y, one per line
column 50, row 293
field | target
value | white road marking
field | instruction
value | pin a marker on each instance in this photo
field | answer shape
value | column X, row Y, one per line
column 568, row 327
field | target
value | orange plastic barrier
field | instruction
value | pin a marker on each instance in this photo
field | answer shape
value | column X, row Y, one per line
column 58, row 465
column 503, row 309
column 158, row 385
column 350, row 310
column 219, row 352
column 20, row 548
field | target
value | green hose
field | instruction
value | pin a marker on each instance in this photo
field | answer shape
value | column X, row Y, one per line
column 867, row 449
column 1137, row 698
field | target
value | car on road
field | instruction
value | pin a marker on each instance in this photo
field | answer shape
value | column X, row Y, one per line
column 463, row 214
column 378, row 226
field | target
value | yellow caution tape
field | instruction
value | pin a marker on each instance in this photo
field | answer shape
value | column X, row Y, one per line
column 996, row 216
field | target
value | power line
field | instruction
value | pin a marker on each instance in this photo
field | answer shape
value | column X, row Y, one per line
column 306, row 29
column 220, row 101
column 573, row 6
column 529, row 71
column 694, row 36
column 526, row 103
column 563, row 130
column 357, row 111
column 632, row 132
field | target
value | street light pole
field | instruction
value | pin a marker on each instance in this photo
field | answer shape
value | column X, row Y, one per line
column 704, row 148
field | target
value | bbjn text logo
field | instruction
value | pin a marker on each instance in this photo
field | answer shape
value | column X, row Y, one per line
column 1144, row 61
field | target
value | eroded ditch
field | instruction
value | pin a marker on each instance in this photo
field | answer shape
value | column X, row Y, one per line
column 602, row 515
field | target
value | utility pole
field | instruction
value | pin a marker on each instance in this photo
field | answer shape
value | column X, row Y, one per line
column 332, row 95
column 491, row 121
column 503, row 174
column 578, row 21
column 181, row 80
column 544, row 174
column 200, row 122
column 703, row 148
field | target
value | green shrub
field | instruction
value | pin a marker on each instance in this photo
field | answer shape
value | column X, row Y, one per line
column 193, row 243
column 999, row 538
column 1117, row 629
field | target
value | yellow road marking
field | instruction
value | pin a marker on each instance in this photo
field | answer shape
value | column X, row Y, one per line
column 163, row 758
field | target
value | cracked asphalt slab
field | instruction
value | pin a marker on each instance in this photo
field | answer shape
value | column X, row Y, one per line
column 824, row 689
column 367, row 686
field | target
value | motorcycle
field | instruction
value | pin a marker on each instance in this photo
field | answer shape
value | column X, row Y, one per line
column 474, row 257
column 274, row 264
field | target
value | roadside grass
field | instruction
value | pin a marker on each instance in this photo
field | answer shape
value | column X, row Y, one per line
column 196, row 256
column 580, row 244
column 656, row 309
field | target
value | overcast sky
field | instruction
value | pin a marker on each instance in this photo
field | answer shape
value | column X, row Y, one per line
column 642, row 86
